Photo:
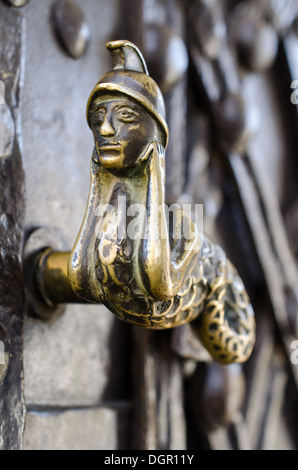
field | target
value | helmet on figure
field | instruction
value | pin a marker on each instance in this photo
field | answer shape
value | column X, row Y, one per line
column 130, row 77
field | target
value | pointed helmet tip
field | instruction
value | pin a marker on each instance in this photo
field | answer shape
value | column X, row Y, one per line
column 127, row 55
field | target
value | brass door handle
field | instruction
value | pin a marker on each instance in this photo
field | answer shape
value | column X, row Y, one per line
column 148, row 268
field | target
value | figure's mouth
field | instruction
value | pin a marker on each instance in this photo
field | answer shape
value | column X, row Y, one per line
column 108, row 146
column 110, row 154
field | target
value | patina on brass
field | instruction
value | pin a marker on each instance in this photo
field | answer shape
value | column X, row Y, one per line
column 148, row 269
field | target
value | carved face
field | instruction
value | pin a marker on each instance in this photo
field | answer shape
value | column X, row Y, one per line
column 122, row 130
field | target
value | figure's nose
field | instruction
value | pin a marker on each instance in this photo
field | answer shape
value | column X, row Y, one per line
column 107, row 128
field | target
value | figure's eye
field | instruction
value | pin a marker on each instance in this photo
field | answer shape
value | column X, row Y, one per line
column 98, row 115
column 127, row 114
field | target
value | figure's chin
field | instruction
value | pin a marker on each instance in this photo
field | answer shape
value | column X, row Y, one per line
column 111, row 160
column 116, row 163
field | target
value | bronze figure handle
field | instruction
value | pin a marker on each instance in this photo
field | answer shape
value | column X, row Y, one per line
column 147, row 264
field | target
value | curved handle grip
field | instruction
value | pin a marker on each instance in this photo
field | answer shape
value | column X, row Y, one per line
column 146, row 262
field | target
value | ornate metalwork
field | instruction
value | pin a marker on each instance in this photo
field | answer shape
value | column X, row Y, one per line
column 154, row 269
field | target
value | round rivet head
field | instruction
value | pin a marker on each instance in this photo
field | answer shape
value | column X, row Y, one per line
column 71, row 27
column 17, row 3
column 166, row 55
column 255, row 40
